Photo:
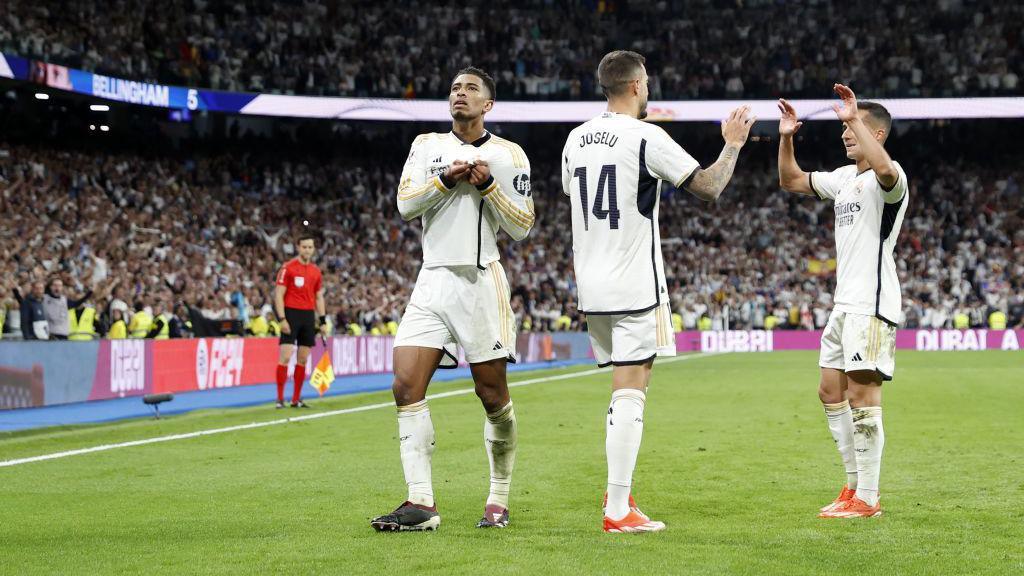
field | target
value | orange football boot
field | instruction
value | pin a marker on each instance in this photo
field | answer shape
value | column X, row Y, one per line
column 854, row 508
column 844, row 495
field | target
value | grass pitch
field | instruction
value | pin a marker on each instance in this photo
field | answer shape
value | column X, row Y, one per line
column 736, row 459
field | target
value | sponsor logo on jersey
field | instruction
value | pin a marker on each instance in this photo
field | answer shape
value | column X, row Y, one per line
column 522, row 184
column 846, row 212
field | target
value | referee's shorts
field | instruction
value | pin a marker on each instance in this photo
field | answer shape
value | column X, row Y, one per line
column 303, row 327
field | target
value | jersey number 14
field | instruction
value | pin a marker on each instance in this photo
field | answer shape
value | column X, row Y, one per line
column 605, row 183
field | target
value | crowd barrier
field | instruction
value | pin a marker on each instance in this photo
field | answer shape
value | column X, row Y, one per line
column 49, row 373
column 770, row 340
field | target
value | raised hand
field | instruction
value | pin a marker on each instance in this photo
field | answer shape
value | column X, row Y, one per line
column 848, row 111
column 736, row 127
column 788, row 124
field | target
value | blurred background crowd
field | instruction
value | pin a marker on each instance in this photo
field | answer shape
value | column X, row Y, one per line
column 151, row 228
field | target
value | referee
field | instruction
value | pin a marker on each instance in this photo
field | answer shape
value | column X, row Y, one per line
column 298, row 293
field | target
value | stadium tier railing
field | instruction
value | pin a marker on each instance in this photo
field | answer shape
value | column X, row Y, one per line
column 399, row 110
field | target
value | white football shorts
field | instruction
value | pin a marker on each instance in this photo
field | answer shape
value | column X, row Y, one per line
column 630, row 339
column 854, row 342
column 461, row 305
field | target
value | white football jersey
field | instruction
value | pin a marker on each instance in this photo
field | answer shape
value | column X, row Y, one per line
column 460, row 224
column 612, row 169
column 868, row 220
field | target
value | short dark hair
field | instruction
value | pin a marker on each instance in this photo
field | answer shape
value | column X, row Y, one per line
column 305, row 236
column 484, row 76
column 878, row 114
column 616, row 69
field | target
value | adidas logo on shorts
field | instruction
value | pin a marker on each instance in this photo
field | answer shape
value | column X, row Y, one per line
column 856, row 358
column 497, row 346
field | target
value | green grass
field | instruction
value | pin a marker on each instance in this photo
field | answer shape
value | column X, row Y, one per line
column 736, row 459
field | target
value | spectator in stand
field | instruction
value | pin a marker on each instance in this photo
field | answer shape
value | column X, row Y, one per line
column 137, row 219
column 548, row 50
column 33, row 318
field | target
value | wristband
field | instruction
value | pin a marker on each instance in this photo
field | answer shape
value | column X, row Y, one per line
column 446, row 180
column 486, row 184
column 323, row 320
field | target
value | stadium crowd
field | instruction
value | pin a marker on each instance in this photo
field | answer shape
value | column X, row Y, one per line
column 166, row 246
column 537, row 49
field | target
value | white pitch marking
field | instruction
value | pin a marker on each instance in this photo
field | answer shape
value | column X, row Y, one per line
column 461, row 392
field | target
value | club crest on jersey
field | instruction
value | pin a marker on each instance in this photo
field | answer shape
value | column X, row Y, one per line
column 300, row 281
column 522, row 184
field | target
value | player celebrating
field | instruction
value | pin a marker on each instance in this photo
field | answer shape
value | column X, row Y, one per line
column 465, row 184
column 612, row 169
column 857, row 347
column 299, row 291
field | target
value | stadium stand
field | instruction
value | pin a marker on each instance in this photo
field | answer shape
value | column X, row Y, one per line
column 537, row 49
column 198, row 229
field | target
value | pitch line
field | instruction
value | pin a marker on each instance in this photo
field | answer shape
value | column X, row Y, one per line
column 212, row 431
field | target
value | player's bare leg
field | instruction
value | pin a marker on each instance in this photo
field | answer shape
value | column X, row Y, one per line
column 414, row 366
column 625, row 427
column 832, row 393
column 283, row 358
column 865, row 394
column 500, row 438
column 300, row 376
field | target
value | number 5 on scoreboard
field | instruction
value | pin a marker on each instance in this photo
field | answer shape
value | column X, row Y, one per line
column 605, row 183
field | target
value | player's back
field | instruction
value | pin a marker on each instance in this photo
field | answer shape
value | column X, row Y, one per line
column 612, row 167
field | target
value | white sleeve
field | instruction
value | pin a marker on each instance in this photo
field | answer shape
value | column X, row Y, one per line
column 898, row 190
column 667, row 160
column 507, row 194
column 566, row 175
column 416, row 192
column 826, row 184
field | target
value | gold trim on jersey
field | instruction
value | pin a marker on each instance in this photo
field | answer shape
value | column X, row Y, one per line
column 659, row 331
column 669, row 332
column 404, row 193
column 662, row 322
column 507, row 207
column 876, row 340
column 489, row 189
column 518, row 156
column 504, row 305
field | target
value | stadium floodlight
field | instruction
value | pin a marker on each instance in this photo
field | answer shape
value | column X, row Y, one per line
column 92, row 126
column 42, row 96
column 155, row 400
column 105, row 128
column 99, row 107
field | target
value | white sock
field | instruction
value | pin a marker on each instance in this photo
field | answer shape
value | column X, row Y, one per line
column 625, row 428
column 868, row 439
column 840, row 423
column 416, row 443
column 500, row 443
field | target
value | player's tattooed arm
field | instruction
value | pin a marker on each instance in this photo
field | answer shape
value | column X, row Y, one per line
column 708, row 184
